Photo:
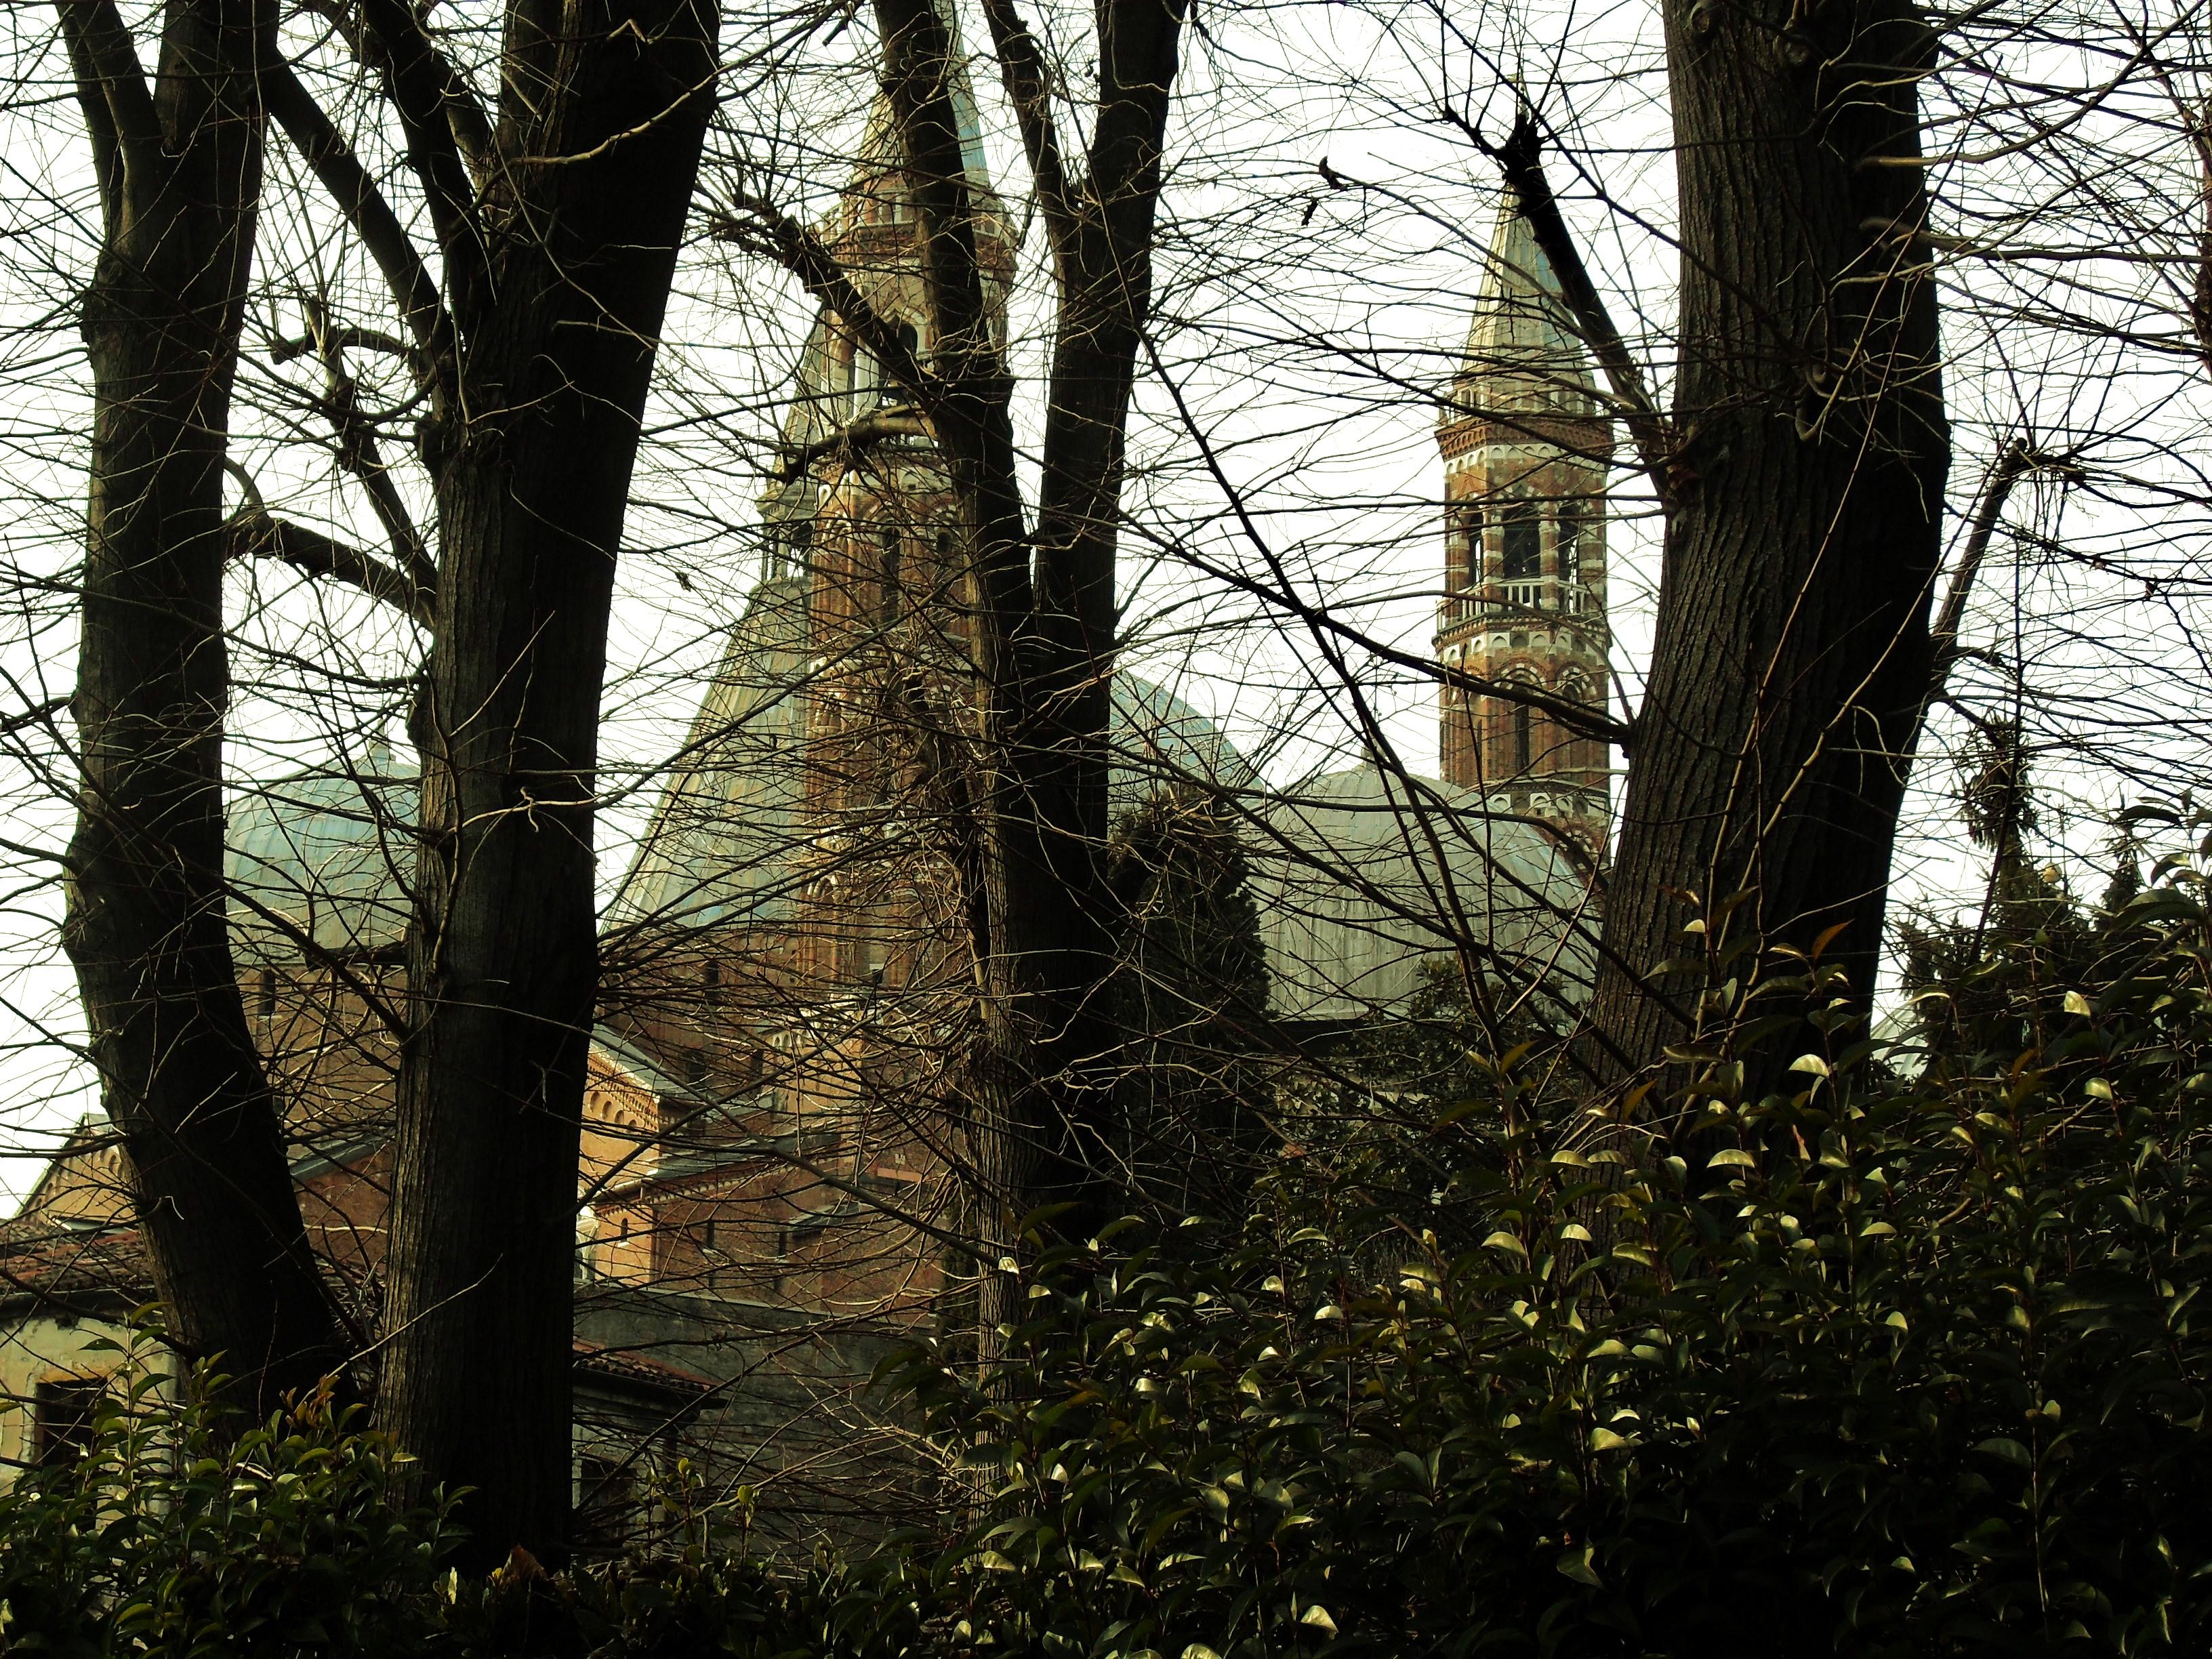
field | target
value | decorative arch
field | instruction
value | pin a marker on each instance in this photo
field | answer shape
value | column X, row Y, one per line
column 1580, row 754
column 1518, row 733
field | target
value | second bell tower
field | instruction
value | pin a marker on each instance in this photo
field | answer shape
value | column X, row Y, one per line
column 1525, row 450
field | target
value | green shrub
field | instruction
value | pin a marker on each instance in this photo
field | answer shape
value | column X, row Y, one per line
column 169, row 1537
column 1889, row 1365
column 1884, row 1366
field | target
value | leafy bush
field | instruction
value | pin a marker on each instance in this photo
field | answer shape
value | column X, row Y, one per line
column 171, row 1537
column 1887, row 1365
column 1891, row 1364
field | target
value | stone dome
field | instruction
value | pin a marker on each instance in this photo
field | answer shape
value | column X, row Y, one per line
column 326, row 854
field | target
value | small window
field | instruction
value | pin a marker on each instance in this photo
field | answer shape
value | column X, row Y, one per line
column 710, row 984
column 1463, row 546
column 1572, row 521
column 63, row 1412
column 1523, row 545
column 889, row 391
column 606, row 1503
column 1524, row 737
column 265, row 993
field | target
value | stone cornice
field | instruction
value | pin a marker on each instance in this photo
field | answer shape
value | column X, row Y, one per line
column 1590, row 436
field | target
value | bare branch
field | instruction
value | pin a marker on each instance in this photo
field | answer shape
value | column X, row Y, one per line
column 118, row 109
column 1029, row 89
column 355, row 195
column 254, row 534
column 776, row 234
column 1518, row 161
column 359, row 454
column 351, row 339
column 2017, row 461
column 419, row 80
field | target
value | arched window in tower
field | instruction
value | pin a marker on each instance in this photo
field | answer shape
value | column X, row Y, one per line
column 909, row 337
column 1524, row 739
column 789, row 542
column 1463, row 546
column 1581, row 754
column 1521, row 542
column 1568, row 541
column 864, row 378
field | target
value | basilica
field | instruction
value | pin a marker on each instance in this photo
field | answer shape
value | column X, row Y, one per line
column 770, row 1165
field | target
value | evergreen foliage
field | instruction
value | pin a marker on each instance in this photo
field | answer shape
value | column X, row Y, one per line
column 1898, row 1362
column 1190, row 989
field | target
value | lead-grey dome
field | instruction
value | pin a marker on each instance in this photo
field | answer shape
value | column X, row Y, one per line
column 1366, row 875
column 326, row 854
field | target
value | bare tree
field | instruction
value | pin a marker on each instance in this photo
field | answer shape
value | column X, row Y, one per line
column 1044, row 591
column 180, row 167
column 557, row 212
column 1805, row 497
column 555, row 215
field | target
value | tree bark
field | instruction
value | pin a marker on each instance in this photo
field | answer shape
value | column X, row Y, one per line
column 146, row 927
column 1792, row 649
column 597, row 152
column 1045, row 602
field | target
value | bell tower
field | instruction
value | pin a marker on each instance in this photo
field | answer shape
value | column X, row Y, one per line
column 862, row 522
column 1526, row 447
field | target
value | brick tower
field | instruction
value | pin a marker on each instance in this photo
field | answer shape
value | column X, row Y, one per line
column 1526, row 449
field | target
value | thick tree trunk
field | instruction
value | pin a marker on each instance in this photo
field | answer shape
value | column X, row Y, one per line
column 1103, row 261
column 1045, row 607
column 1792, row 649
column 503, row 955
column 147, row 928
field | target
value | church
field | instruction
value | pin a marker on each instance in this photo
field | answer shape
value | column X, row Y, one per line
column 769, row 1169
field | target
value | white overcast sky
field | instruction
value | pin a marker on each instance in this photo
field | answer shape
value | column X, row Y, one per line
column 1309, row 329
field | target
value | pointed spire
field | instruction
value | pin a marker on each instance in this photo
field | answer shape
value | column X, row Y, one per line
column 878, row 169
column 1523, row 351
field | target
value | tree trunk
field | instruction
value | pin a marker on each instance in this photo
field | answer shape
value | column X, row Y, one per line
column 1792, row 649
column 503, row 952
column 147, row 928
column 1045, row 609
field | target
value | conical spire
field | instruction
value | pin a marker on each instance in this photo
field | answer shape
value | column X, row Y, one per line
column 878, row 170
column 876, row 237
column 1524, row 352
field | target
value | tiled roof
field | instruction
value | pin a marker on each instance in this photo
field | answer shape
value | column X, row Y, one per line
column 40, row 1257
column 627, row 1366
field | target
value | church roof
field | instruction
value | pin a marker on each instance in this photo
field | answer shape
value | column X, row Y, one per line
column 1367, row 874
column 717, row 848
column 723, row 843
column 1524, row 354
column 326, row 853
